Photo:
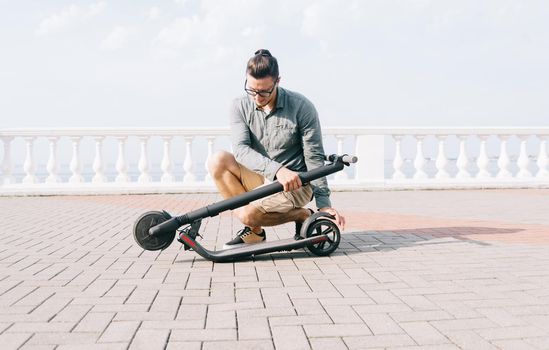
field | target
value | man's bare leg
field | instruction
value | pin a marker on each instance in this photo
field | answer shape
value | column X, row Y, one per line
column 253, row 217
column 225, row 173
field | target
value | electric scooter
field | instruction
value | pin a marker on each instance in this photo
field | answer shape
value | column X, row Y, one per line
column 155, row 230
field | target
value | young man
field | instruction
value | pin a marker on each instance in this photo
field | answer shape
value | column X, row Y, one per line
column 275, row 134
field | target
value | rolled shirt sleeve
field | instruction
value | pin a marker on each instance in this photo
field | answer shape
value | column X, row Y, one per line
column 313, row 152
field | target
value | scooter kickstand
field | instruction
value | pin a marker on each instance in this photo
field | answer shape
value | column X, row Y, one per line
column 191, row 231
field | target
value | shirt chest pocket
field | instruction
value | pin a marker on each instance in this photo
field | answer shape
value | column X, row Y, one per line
column 284, row 136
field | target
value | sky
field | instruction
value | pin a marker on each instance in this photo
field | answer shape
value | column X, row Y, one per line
column 67, row 63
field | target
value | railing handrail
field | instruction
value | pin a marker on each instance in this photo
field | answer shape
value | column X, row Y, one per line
column 115, row 131
column 215, row 131
column 431, row 130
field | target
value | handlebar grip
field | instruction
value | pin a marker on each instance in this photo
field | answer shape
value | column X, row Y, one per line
column 167, row 226
column 344, row 158
column 349, row 159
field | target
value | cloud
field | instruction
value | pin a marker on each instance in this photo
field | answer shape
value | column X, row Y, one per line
column 180, row 32
column 117, row 38
column 216, row 31
column 96, row 8
column 68, row 17
column 193, row 37
column 154, row 13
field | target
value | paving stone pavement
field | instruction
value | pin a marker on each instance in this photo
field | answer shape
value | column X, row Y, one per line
column 415, row 270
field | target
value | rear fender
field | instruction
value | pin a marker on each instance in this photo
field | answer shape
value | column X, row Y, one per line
column 311, row 219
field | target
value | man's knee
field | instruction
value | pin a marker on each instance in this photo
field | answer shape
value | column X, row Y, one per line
column 250, row 216
column 220, row 162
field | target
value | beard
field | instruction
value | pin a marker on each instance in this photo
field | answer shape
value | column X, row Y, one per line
column 261, row 105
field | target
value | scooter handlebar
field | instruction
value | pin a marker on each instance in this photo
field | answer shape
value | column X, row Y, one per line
column 167, row 226
column 344, row 158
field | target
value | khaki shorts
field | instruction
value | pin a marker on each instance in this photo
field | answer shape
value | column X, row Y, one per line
column 281, row 202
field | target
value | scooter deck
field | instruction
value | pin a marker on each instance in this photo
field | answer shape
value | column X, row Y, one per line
column 252, row 249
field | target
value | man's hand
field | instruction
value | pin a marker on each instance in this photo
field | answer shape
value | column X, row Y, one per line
column 339, row 219
column 289, row 179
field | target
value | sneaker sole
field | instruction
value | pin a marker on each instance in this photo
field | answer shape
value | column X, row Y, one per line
column 238, row 245
column 232, row 246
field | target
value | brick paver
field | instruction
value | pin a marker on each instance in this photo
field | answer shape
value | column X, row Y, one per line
column 415, row 270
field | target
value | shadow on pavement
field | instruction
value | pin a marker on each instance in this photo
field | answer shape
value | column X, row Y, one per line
column 384, row 240
column 393, row 239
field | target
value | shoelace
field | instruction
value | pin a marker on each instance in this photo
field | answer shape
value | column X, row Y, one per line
column 244, row 232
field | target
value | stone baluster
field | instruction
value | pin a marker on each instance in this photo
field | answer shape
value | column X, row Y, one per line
column 76, row 164
column 98, row 167
column 543, row 159
column 166, row 164
column 188, row 163
column 211, row 140
column 143, row 164
column 52, row 164
column 523, row 160
column 419, row 161
column 483, row 161
column 398, row 162
column 340, row 175
column 441, row 161
column 121, row 165
column 462, row 160
column 7, row 177
column 503, row 161
column 29, row 166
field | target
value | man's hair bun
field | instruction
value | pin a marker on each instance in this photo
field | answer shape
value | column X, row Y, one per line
column 262, row 65
column 263, row 52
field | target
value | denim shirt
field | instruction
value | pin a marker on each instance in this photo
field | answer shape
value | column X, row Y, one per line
column 289, row 136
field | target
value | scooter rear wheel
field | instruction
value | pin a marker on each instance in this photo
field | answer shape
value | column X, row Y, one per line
column 324, row 227
column 141, row 231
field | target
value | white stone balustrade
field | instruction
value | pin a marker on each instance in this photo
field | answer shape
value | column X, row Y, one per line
column 462, row 160
column 398, row 162
column 543, row 159
column 143, row 166
column 419, row 160
column 121, row 166
column 76, row 164
column 6, row 168
column 99, row 177
column 28, row 166
column 142, row 159
column 166, row 165
column 483, row 161
column 442, row 160
column 188, row 164
column 523, row 159
column 211, row 140
column 52, row 162
column 503, row 160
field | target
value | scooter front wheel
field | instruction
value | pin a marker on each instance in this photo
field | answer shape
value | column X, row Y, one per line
column 330, row 230
column 141, row 231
